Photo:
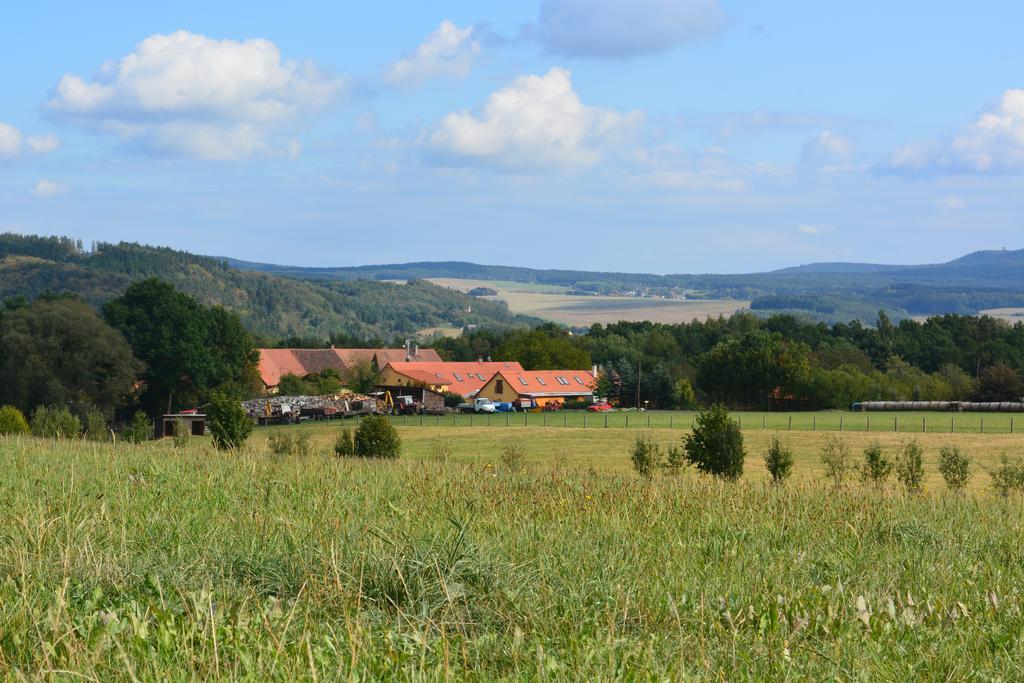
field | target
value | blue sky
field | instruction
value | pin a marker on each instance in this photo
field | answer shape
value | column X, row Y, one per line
column 642, row 135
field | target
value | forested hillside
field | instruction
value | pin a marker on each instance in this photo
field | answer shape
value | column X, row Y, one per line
column 271, row 306
column 834, row 292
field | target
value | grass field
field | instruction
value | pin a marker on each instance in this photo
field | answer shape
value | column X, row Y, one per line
column 1010, row 315
column 145, row 562
column 874, row 422
column 553, row 303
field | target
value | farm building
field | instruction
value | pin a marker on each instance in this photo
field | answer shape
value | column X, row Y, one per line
column 167, row 425
column 276, row 363
column 465, row 378
column 538, row 387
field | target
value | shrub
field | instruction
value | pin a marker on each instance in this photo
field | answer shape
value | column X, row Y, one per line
column 778, row 460
column 139, row 429
column 512, row 455
column 835, row 456
column 344, row 447
column 452, row 399
column 96, row 428
column 55, row 423
column 12, row 421
column 716, row 444
column 376, row 438
column 229, row 425
column 955, row 467
column 910, row 466
column 876, row 467
column 645, row 455
column 675, row 461
column 1008, row 477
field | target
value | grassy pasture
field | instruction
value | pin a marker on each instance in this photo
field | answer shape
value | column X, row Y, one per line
column 880, row 422
column 121, row 562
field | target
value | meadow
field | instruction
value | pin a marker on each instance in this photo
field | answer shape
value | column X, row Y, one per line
column 153, row 562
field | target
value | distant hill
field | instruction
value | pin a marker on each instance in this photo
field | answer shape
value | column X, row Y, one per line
column 273, row 306
column 827, row 291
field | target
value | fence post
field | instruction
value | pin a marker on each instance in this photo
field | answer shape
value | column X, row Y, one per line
column 896, row 424
column 671, row 419
column 952, row 425
column 488, row 419
column 790, row 423
column 814, row 423
column 545, row 419
column 565, row 419
column 739, row 419
column 648, row 420
column 924, row 425
column 1011, row 425
column 438, row 420
column 507, row 416
column 869, row 423
column 471, row 419
column 584, row 419
column 606, row 420
column 421, row 419
column 840, row 423
column 627, row 420
column 982, row 424
column 526, row 419
column 454, row 415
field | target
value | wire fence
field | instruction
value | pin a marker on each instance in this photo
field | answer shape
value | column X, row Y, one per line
column 916, row 423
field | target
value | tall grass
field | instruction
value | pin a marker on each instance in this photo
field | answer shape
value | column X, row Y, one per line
column 122, row 561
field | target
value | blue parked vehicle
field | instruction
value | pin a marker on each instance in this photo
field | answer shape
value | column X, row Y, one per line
column 504, row 408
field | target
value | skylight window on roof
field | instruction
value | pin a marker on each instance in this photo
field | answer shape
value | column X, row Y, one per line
column 540, row 380
column 457, row 376
column 561, row 380
column 578, row 380
column 522, row 380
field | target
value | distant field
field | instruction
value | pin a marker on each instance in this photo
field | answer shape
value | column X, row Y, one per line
column 544, row 301
column 443, row 331
column 1012, row 315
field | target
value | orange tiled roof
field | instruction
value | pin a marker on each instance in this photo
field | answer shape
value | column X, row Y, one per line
column 275, row 363
column 465, row 378
column 550, row 382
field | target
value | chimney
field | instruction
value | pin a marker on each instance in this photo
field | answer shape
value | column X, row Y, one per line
column 593, row 371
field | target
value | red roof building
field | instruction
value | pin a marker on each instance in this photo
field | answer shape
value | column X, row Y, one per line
column 538, row 387
column 276, row 363
column 464, row 378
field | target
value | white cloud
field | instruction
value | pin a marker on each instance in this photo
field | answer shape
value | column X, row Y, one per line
column 951, row 203
column 447, row 52
column 43, row 144
column 808, row 229
column 994, row 142
column 827, row 148
column 45, row 189
column 10, row 140
column 187, row 94
column 624, row 28
column 535, row 121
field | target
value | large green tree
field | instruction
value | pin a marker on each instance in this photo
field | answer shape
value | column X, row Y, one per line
column 189, row 349
column 743, row 372
column 60, row 352
column 548, row 347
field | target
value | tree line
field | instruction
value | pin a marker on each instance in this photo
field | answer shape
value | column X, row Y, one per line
column 152, row 350
column 747, row 361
